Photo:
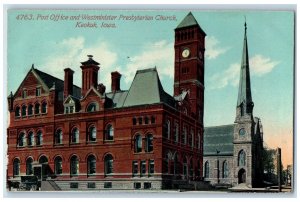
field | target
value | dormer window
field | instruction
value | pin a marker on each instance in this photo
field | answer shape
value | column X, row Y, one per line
column 38, row 91
column 92, row 107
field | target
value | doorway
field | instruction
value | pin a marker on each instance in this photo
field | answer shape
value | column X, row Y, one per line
column 242, row 176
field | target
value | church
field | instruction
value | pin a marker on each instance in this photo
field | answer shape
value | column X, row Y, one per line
column 233, row 153
column 65, row 137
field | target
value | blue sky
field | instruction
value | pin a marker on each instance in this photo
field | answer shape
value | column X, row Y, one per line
column 55, row 45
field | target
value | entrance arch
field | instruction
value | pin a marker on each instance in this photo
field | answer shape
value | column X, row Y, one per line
column 242, row 176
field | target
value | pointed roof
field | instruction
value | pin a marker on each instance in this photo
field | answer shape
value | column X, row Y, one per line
column 244, row 94
column 188, row 21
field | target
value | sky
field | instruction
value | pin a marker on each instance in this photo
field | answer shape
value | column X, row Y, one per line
column 53, row 43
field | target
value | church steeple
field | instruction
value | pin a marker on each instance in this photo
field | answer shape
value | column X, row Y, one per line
column 244, row 102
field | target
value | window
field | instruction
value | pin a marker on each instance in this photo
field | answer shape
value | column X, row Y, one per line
column 71, row 109
column 107, row 185
column 30, row 139
column 37, row 108
column 185, row 168
column 74, row 185
column 134, row 121
column 242, row 158
column 147, row 185
column 16, row 167
column 44, row 107
column 58, row 137
column 146, row 119
column 149, row 143
column 75, row 135
column 74, row 166
column 91, row 185
column 92, row 107
column 137, row 185
column 43, row 160
column 17, row 112
column 167, row 129
column 198, row 142
column 138, row 144
column 91, row 161
column 166, row 163
column 143, row 168
column 135, row 167
column 176, row 132
column 140, row 119
column 30, row 110
column 176, row 165
column 183, row 137
column 191, row 166
column 29, row 166
column 152, row 119
column 58, row 165
column 206, row 169
column 151, row 168
column 108, row 164
column 24, row 94
column 37, row 91
column 225, row 169
column 24, row 109
column 39, row 138
column 109, row 132
column 21, row 140
column 92, row 134
column 191, row 139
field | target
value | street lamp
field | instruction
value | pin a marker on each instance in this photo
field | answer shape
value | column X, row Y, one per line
column 218, row 170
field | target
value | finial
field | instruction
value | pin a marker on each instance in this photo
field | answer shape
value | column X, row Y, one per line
column 245, row 22
column 90, row 57
column 32, row 66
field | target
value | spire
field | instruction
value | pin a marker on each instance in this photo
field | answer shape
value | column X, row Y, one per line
column 244, row 96
column 188, row 21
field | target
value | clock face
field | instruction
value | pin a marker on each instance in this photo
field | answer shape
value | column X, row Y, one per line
column 186, row 53
column 242, row 132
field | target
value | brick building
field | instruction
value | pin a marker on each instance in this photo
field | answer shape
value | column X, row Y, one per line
column 233, row 153
column 85, row 138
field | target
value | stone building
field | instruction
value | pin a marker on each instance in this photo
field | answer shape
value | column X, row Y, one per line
column 232, row 153
column 64, row 137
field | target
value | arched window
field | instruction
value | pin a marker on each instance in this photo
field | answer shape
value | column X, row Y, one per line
column 43, row 160
column 30, row 110
column 92, row 134
column 58, row 165
column 191, row 139
column 138, row 143
column 39, row 138
column 37, row 108
column 146, row 119
column 167, row 129
column 24, row 110
column 58, row 136
column 109, row 132
column 242, row 158
column 16, row 167
column 206, row 169
column 21, row 139
column 75, row 135
column 29, row 170
column 134, row 121
column 185, row 168
column 30, row 139
column 74, row 166
column 184, row 134
column 91, row 165
column 44, row 107
column 149, row 143
column 176, row 132
column 92, row 107
column 152, row 119
column 108, row 164
column 17, row 111
column 225, row 169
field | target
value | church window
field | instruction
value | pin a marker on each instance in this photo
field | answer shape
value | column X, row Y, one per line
column 191, row 139
column 184, row 136
column 149, row 143
column 24, row 109
column 21, row 140
column 75, row 135
column 138, row 143
column 109, row 132
column 176, row 132
column 16, row 167
column 167, row 129
column 91, row 165
column 92, row 107
column 17, row 112
column 225, row 169
column 29, row 170
column 58, row 165
column 92, row 134
column 74, row 166
column 37, row 108
column 30, row 110
column 58, row 136
column 108, row 164
column 206, row 169
column 242, row 158
column 39, row 138
column 38, row 91
column 44, row 107
column 30, row 139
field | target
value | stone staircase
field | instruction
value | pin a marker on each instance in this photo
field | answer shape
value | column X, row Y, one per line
column 49, row 185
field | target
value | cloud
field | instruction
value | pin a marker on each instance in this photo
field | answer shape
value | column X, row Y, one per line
column 212, row 48
column 70, row 52
column 259, row 66
column 159, row 54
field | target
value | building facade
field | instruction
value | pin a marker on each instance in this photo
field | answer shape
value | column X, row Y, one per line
column 233, row 153
column 69, row 138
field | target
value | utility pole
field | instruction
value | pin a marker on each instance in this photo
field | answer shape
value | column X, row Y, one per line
column 279, row 169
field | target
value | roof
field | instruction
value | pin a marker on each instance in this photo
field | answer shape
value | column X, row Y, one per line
column 218, row 138
column 117, row 97
column 146, row 89
column 188, row 21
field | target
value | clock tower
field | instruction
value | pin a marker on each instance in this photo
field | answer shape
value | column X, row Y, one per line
column 189, row 63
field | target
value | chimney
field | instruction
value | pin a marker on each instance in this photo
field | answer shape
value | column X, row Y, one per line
column 101, row 88
column 68, row 82
column 115, row 81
